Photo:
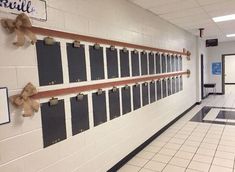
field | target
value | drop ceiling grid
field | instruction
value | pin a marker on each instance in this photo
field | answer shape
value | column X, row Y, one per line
column 193, row 14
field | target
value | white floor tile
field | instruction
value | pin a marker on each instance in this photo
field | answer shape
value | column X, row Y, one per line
column 179, row 162
column 158, row 143
column 136, row 161
column 224, row 155
column 202, row 158
column 129, row 168
column 162, row 158
column 152, row 149
column 172, row 146
column 192, row 143
column 194, row 165
column 145, row 170
column 145, row 155
column 171, row 168
column 184, row 155
column 168, row 152
column 207, row 152
column 177, row 141
column 215, row 168
column 155, row 166
column 208, row 146
column 188, row 149
column 223, row 162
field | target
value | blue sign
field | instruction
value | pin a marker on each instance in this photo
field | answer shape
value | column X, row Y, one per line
column 217, row 68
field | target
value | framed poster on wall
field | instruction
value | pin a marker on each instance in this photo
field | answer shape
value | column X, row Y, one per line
column 4, row 106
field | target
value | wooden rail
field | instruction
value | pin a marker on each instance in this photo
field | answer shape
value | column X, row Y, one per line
column 79, row 89
column 72, row 36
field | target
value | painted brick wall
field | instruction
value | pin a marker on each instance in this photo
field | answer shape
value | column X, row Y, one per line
column 98, row 149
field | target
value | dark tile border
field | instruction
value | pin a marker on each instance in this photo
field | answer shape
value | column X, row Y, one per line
column 199, row 117
column 123, row 161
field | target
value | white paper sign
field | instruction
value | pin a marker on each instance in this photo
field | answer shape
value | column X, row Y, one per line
column 33, row 8
column 4, row 106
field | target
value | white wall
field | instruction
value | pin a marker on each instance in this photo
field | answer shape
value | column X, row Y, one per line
column 229, row 69
column 99, row 148
column 215, row 55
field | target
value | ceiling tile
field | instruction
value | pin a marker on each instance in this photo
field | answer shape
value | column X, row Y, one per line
column 174, row 6
column 207, row 2
column 178, row 14
column 197, row 18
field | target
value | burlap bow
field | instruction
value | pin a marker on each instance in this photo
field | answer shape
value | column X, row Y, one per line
column 29, row 106
column 21, row 27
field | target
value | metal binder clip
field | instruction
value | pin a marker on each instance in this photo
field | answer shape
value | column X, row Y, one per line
column 53, row 101
column 97, row 46
column 135, row 51
column 188, row 73
column 151, row 53
column 80, row 97
column 124, row 50
column 76, row 44
column 112, row 48
column 188, row 55
column 114, row 89
column 145, row 84
column 144, row 52
column 126, row 87
column 152, row 82
column 99, row 92
column 49, row 41
column 136, row 84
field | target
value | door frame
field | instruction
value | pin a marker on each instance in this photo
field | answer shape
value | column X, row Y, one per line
column 202, row 76
column 223, row 71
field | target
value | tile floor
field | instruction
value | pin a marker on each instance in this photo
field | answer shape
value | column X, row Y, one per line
column 189, row 146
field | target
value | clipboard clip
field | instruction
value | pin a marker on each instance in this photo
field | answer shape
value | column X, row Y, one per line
column 80, row 97
column 99, row 92
column 126, row 87
column 124, row 50
column 97, row 46
column 112, row 48
column 49, row 41
column 76, row 44
column 135, row 51
column 53, row 101
column 114, row 89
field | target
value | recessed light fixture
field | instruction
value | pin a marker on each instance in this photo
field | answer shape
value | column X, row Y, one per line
column 224, row 18
column 231, row 35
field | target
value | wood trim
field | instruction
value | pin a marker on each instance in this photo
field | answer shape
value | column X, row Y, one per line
column 79, row 89
column 72, row 36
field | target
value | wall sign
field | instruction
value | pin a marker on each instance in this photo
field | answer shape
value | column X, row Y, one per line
column 33, row 8
column 4, row 106
column 216, row 68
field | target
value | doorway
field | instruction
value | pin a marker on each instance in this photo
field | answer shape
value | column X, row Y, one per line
column 202, row 76
column 228, row 70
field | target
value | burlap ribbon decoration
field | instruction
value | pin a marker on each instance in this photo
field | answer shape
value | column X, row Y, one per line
column 29, row 106
column 21, row 27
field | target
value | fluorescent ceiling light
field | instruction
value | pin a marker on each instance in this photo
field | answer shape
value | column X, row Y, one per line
column 231, row 35
column 224, row 18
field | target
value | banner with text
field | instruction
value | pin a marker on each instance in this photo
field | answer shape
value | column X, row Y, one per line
column 36, row 9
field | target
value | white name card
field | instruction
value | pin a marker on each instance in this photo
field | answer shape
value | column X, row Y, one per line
column 4, row 106
column 36, row 9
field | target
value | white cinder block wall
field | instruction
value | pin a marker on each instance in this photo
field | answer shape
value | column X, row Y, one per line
column 98, row 149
